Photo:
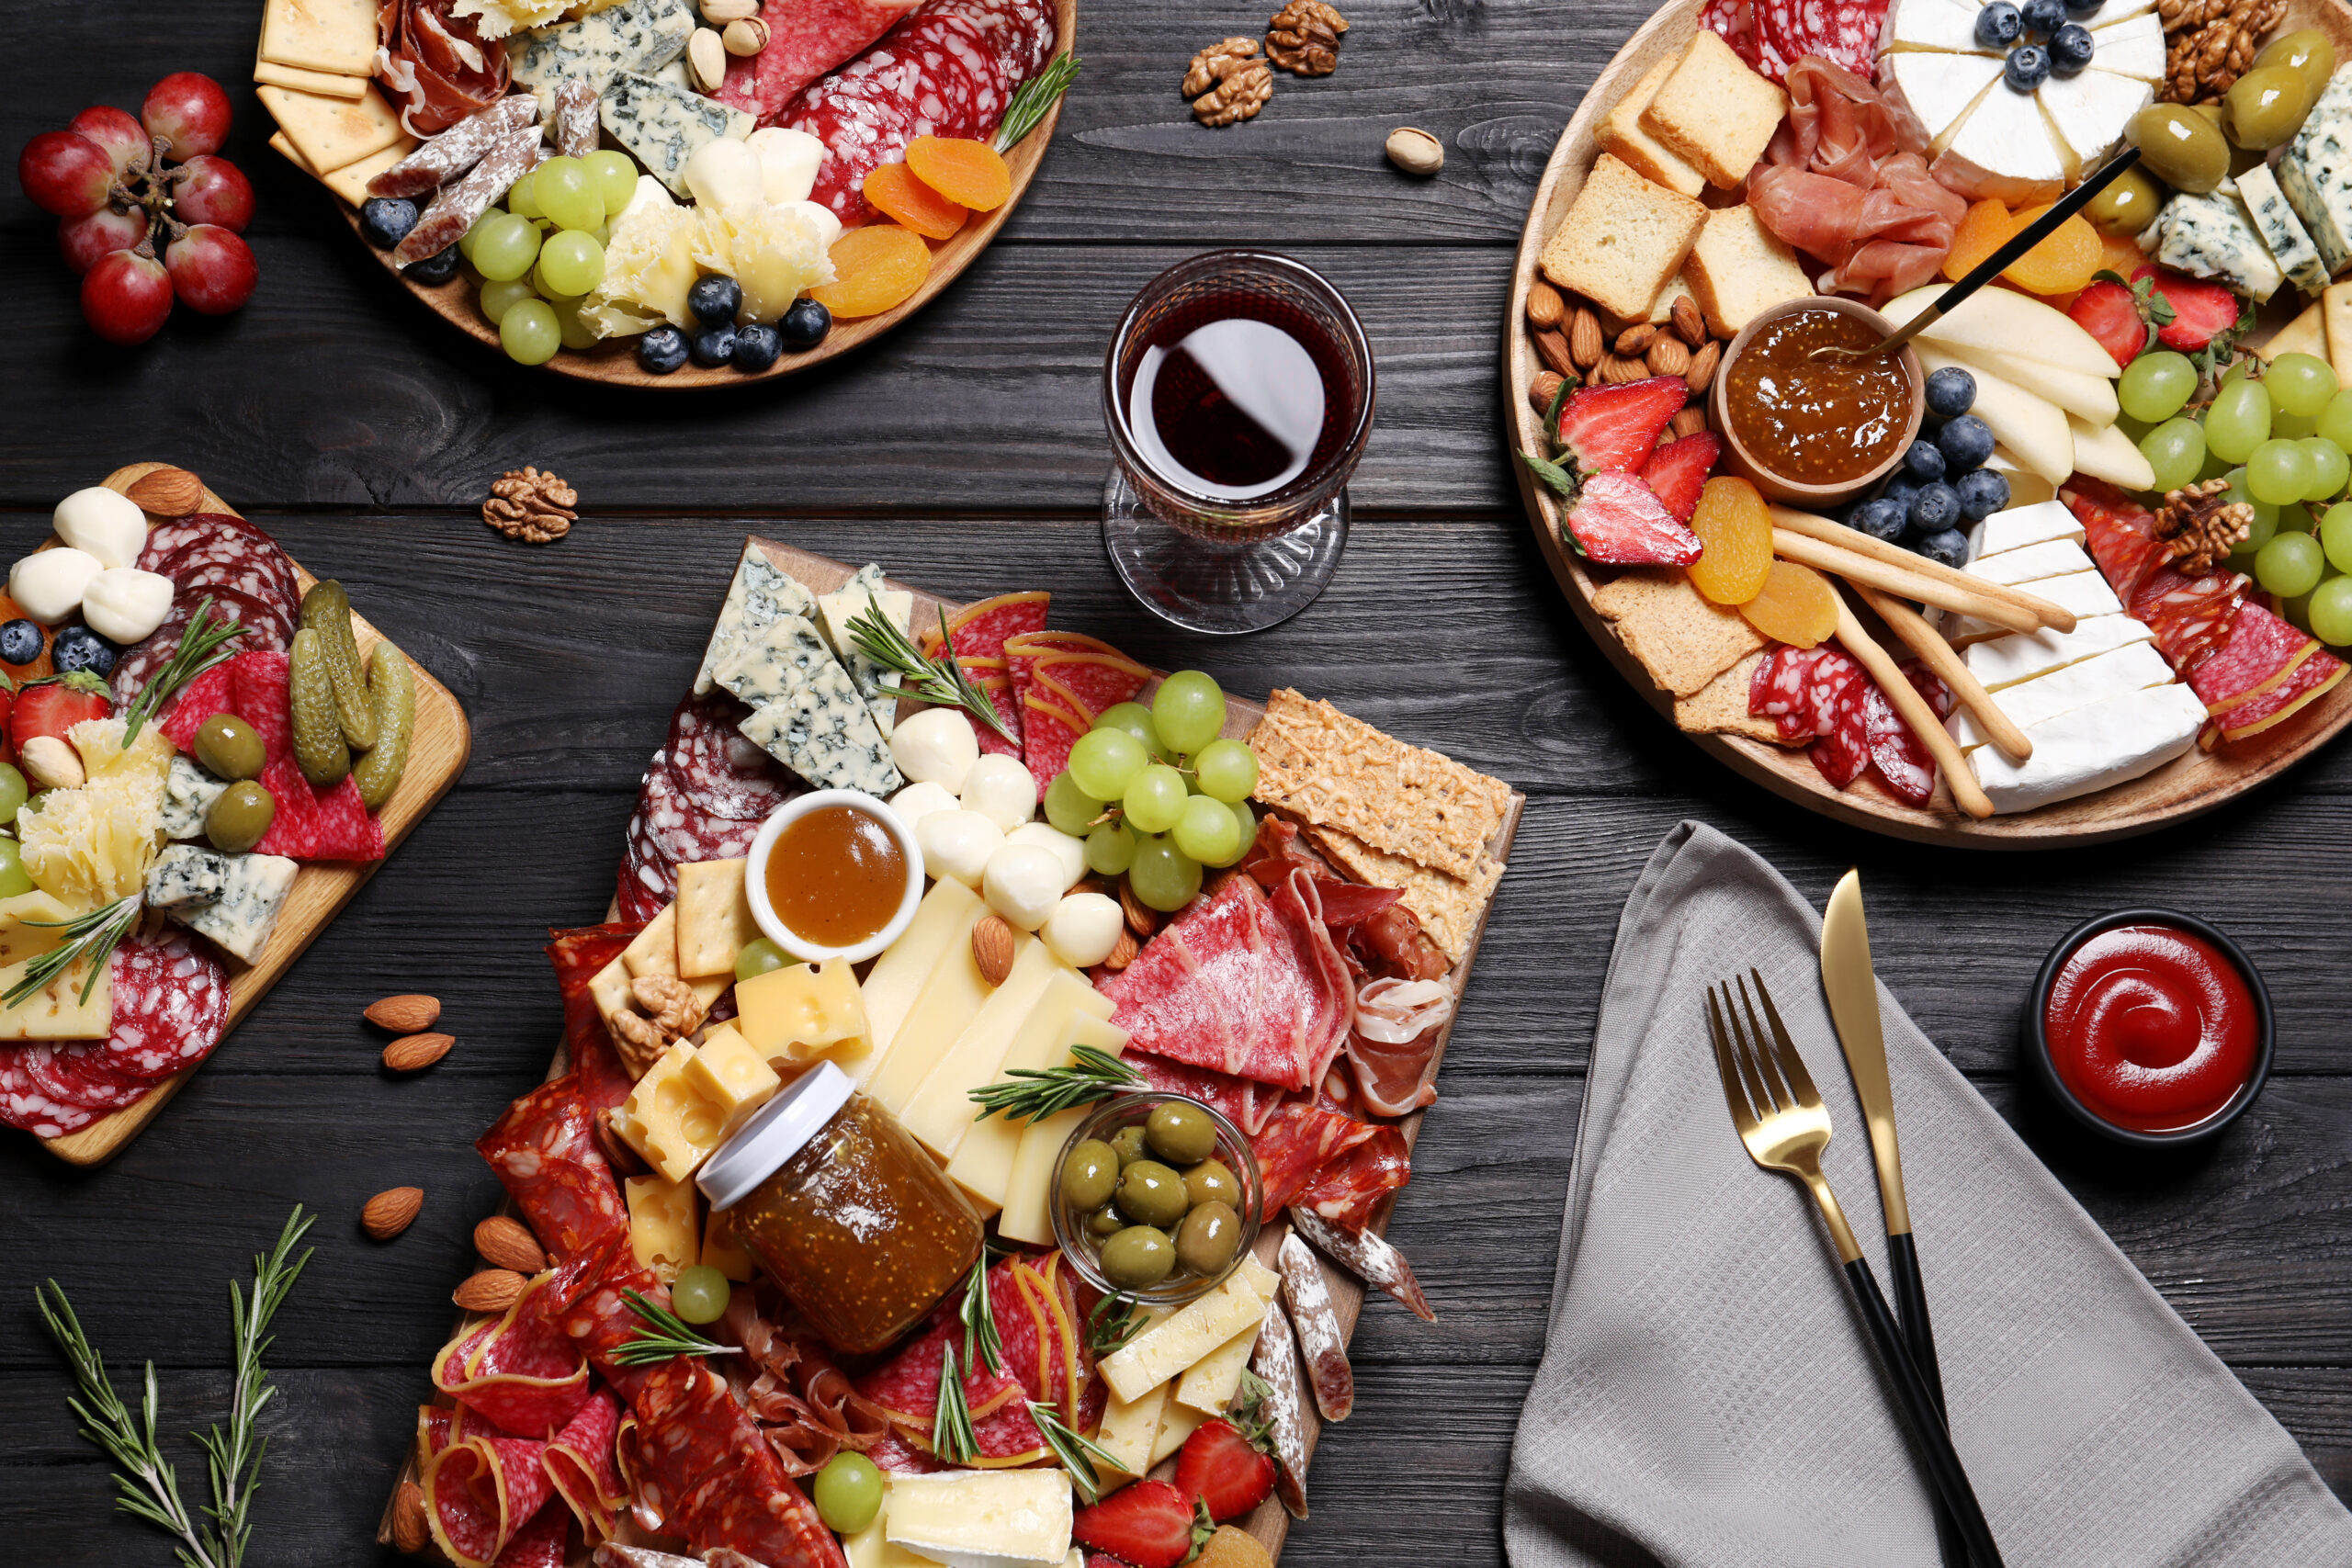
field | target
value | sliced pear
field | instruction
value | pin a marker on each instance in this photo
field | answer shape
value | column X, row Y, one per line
column 2025, row 487
column 2106, row 453
column 2090, row 397
column 2002, row 321
column 2033, row 428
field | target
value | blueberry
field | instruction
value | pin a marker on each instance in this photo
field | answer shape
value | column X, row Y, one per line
column 715, row 299
column 1935, row 509
column 19, row 642
column 1966, row 442
column 1901, row 492
column 1881, row 519
column 1951, row 392
column 2070, row 49
column 1947, row 548
column 2083, row 7
column 1924, row 462
column 437, row 269
column 1981, row 493
column 662, row 350
column 386, row 219
column 2028, row 67
column 79, row 647
column 756, row 348
column 2043, row 16
column 715, row 347
column 1999, row 25
column 805, row 325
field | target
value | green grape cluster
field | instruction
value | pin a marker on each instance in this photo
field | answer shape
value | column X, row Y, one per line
column 539, row 255
column 1157, row 794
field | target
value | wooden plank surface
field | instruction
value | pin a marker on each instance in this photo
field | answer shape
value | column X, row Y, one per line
column 967, row 452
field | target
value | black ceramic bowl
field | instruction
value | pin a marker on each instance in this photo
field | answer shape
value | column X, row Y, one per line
column 2035, row 1042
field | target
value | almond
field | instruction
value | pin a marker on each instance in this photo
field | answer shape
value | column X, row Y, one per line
column 993, row 948
column 405, row 1015
column 492, row 1289
column 508, row 1243
column 1634, row 341
column 1554, row 350
column 1702, row 367
column 413, row 1053
column 1142, row 918
column 1615, row 370
column 168, row 493
column 1585, row 344
column 1123, row 951
column 1667, row 355
column 1544, row 389
column 1689, row 321
column 390, row 1212
column 1688, row 422
column 1544, row 306
column 410, row 1530
column 618, row 1152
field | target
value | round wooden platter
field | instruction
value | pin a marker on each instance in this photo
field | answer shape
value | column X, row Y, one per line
column 2186, row 787
column 614, row 363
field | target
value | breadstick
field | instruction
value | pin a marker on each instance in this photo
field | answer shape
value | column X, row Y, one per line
column 1906, row 581
column 1928, row 644
column 1915, row 710
column 2044, row 612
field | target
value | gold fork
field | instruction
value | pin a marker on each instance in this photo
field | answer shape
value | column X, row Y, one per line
column 1785, row 1127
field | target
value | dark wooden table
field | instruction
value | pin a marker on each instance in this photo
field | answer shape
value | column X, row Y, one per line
column 967, row 452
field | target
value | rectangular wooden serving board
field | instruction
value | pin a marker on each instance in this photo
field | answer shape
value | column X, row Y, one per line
column 1270, row 1524
column 436, row 756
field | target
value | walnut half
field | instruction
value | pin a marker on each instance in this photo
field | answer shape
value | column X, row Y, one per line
column 1227, row 82
column 667, row 1012
column 531, row 507
column 1304, row 38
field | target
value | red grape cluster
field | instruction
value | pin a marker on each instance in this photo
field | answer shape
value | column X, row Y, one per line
column 117, row 184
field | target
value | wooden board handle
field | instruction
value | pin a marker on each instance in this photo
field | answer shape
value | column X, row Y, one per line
column 1853, row 541
column 1929, row 645
column 1915, row 711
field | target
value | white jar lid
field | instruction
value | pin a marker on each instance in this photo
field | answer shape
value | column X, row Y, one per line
column 777, row 1132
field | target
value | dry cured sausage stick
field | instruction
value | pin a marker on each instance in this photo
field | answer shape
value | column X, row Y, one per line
column 1319, row 1341
column 459, row 148
column 1368, row 1257
column 1915, row 712
column 575, row 125
column 1828, row 532
column 1930, row 646
column 1275, row 1360
column 514, row 153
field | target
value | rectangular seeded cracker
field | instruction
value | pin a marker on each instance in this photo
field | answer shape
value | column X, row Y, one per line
column 1682, row 639
column 1721, row 707
column 1449, row 907
column 1336, row 772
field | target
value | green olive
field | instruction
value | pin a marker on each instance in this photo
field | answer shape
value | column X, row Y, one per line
column 1180, row 1132
column 1213, row 1182
column 229, row 749
column 1105, row 1220
column 2308, row 52
column 1088, row 1174
column 1208, row 1238
column 1127, row 1144
column 1152, row 1194
column 2128, row 205
column 239, row 817
column 2180, row 147
column 1137, row 1257
column 2266, row 107
column 2244, row 158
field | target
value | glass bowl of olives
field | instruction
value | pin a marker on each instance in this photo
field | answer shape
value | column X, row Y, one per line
column 1156, row 1198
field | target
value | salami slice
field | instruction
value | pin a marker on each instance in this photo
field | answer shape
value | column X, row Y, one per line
column 597, row 1316
column 171, row 1005
column 174, row 533
column 580, row 1462
column 646, row 882
column 479, row 1493
column 544, row 1151
column 723, row 774
column 703, row 1470
column 1902, row 759
column 76, row 1072
column 28, row 1107
column 1843, row 752
column 680, row 832
column 1320, row 1343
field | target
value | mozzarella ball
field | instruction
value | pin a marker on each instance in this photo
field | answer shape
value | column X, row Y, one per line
column 918, row 801
column 123, row 603
column 724, row 173
column 651, row 196
column 935, row 746
column 47, row 584
column 1083, row 929
column 1023, row 883
column 789, row 161
column 100, row 521
column 959, row 845
column 829, row 223
column 1045, row 836
column 1001, row 789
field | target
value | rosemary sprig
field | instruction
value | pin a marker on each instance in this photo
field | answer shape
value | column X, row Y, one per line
column 1113, row 1322
column 952, row 1438
column 91, row 936
column 668, row 1337
column 1029, row 1093
column 978, row 1313
column 1036, row 96
column 202, row 646
column 148, row 1485
column 1077, row 1453
column 941, row 680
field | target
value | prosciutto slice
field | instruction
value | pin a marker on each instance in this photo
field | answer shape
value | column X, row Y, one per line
column 1845, row 182
column 434, row 66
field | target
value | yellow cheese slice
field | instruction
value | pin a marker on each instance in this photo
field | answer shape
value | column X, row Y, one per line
column 330, row 84
column 721, row 1251
column 946, row 915
column 57, row 1011
column 714, row 917
column 331, row 133
column 661, row 1223
column 338, row 36
column 654, row 950
column 1029, row 1184
column 940, row 1111
column 350, row 182
column 1171, row 1348
column 30, row 925
column 983, row 1161
column 1001, row 1517
column 948, row 1002
column 1176, row 1423
column 794, row 1015
column 1129, row 1425
column 869, row 1548
column 1209, row 1385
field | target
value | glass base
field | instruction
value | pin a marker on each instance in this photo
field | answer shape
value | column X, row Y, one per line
column 1223, row 590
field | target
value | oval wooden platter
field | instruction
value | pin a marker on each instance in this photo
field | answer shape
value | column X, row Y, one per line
column 437, row 754
column 2186, row 787
column 614, row 363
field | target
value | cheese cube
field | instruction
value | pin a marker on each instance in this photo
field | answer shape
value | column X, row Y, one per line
column 1129, row 1429
column 795, row 1014
column 661, row 1225
column 330, row 132
column 241, row 919
column 898, row 977
column 940, row 1110
column 666, row 1118
column 1209, row 1385
column 1176, row 1423
column 982, row 1519
column 983, row 1159
column 1171, row 1348
column 721, row 1251
column 2291, row 243
column 732, row 1076
column 2213, row 236
column 2315, row 176
column 715, row 919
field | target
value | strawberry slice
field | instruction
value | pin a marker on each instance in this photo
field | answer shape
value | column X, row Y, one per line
column 1149, row 1524
column 1225, row 1470
column 1618, row 520
column 1677, row 470
column 1612, row 430
column 52, row 707
column 2200, row 311
column 2110, row 312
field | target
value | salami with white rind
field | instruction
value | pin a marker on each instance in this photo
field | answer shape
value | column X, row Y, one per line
column 1320, row 1343
column 461, row 147
column 575, row 125
column 1275, row 1360
column 513, row 155
column 1366, row 1255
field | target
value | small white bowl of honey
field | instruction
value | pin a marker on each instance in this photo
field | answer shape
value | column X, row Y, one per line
column 835, row 873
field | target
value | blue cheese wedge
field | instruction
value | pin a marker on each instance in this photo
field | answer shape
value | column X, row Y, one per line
column 2033, row 701
column 823, row 731
column 2110, row 742
column 241, row 919
column 760, row 593
column 184, row 877
column 643, row 36
column 854, row 598
column 189, row 794
column 783, row 656
column 2334, row 102
column 2289, row 244
column 661, row 126
column 2213, row 236
column 2315, row 175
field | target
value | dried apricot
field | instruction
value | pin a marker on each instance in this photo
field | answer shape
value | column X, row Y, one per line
column 874, row 268
column 1797, row 605
column 1736, row 529
column 2062, row 262
column 1986, row 230
column 894, row 189
column 969, row 173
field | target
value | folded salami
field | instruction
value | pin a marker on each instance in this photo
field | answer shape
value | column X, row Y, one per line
column 544, row 1151
column 521, row 1371
column 703, row 1471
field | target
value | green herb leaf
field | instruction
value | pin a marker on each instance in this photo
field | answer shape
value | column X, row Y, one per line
column 952, row 1438
column 1036, row 96
column 1079, row 1454
column 1113, row 1322
column 1556, row 479
column 978, row 1313
column 1029, row 1093
column 668, row 1337
column 93, row 936
column 203, row 645
column 939, row 681
column 1552, row 414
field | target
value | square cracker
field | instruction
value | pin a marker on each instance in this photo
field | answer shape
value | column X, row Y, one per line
column 1336, row 772
column 1449, row 907
column 334, row 36
column 1721, row 707
column 714, row 917
column 331, row 133
column 1682, row 639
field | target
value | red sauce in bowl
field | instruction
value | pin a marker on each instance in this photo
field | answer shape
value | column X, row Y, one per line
column 2152, row 1028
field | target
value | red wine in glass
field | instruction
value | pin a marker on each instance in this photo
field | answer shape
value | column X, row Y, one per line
column 1235, row 397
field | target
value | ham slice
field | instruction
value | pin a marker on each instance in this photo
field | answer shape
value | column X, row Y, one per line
column 435, row 66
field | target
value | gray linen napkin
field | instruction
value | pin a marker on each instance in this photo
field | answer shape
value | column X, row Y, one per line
column 1708, row 1397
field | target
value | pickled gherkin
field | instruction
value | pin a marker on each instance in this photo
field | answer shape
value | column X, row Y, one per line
column 318, row 746
column 392, row 691
column 327, row 609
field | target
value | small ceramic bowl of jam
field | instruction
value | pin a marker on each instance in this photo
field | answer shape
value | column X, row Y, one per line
column 835, row 873
column 2150, row 1027
column 1156, row 1198
column 1816, row 432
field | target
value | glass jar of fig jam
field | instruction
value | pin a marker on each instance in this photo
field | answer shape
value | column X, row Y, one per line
column 844, row 1209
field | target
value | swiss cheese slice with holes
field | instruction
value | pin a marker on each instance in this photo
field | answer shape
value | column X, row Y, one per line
column 332, row 132
column 337, row 36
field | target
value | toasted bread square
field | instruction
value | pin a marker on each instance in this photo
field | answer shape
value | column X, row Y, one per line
column 1739, row 267
column 1622, row 133
column 1719, row 708
column 1714, row 111
column 1622, row 238
column 1681, row 639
